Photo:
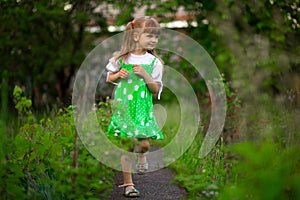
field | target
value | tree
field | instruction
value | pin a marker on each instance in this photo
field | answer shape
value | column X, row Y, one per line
column 255, row 43
column 43, row 43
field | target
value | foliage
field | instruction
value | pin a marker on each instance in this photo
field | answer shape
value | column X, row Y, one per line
column 23, row 104
column 45, row 160
column 264, row 171
column 202, row 178
column 262, row 165
column 44, row 43
column 255, row 46
column 50, row 40
column 4, row 96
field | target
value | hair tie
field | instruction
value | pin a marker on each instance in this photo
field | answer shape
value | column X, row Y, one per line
column 133, row 24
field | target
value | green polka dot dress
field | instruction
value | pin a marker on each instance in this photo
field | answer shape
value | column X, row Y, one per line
column 133, row 114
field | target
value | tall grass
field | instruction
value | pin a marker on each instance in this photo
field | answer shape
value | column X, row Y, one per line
column 256, row 157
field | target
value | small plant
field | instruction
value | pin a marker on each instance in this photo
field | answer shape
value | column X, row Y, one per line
column 46, row 160
column 202, row 178
column 23, row 104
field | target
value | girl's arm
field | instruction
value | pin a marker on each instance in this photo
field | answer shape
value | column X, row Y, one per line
column 152, row 85
column 113, row 77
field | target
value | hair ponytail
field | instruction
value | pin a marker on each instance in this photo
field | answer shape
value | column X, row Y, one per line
column 147, row 24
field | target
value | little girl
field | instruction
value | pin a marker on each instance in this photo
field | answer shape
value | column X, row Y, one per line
column 137, row 72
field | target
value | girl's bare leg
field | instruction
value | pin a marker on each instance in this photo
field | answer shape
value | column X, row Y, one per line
column 142, row 158
column 143, row 146
column 126, row 163
column 129, row 190
column 142, row 149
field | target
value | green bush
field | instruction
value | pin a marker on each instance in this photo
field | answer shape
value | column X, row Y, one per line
column 265, row 171
column 202, row 178
column 45, row 159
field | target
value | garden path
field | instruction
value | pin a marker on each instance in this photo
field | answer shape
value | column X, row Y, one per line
column 157, row 184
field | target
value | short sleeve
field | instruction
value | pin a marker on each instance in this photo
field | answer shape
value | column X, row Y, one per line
column 157, row 73
column 112, row 67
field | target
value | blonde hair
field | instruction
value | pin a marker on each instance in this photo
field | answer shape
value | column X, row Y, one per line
column 142, row 25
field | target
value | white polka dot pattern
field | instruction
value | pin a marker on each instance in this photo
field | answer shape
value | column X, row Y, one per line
column 130, row 97
column 133, row 110
column 136, row 87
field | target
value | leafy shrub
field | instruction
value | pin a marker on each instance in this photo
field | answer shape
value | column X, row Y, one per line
column 265, row 171
column 45, row 159
column 204, row 177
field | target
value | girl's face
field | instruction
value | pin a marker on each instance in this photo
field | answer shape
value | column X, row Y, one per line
column 146, row 41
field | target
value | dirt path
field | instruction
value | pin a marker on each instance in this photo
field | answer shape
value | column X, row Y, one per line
column 154, row 185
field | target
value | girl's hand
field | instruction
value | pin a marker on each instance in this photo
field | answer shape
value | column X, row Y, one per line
column 138, row 70
column 152, row 85
column 123, row 73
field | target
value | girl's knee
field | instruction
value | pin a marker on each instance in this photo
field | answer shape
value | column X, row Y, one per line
column 126, row 158
column 128, row 144
column 144, row 146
